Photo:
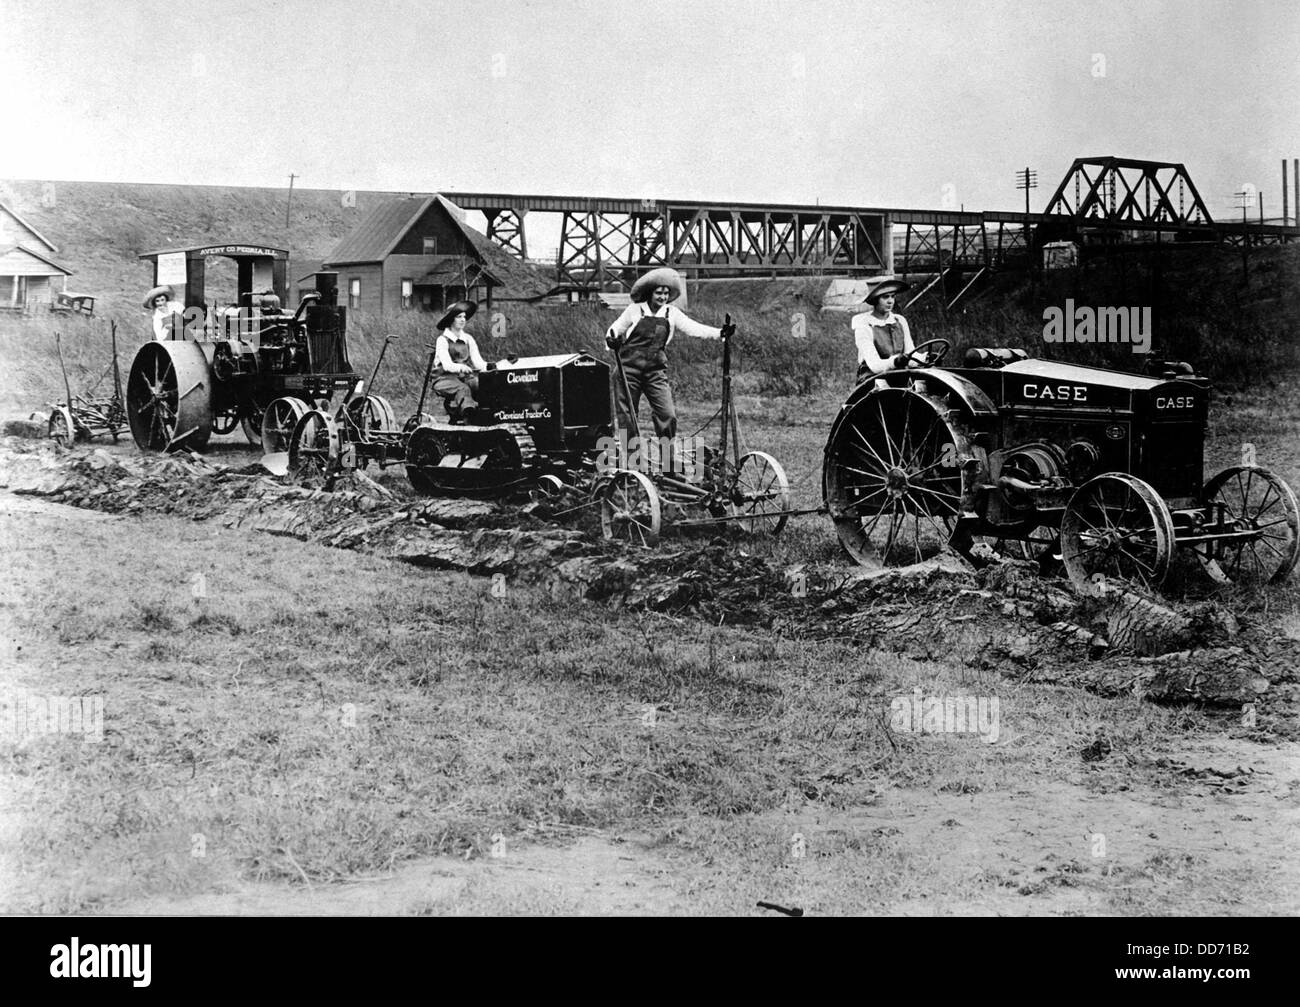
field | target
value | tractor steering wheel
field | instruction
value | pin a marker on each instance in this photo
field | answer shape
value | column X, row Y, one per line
column 910, row 355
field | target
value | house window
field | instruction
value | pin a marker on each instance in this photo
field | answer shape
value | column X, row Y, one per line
column 354, row 292
column 430, row 246
column 408, row 292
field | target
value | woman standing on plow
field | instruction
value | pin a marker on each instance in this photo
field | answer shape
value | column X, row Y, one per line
column 641, row 336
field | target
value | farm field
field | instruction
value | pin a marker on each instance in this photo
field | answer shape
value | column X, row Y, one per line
column 294, row 728
column 326, row 731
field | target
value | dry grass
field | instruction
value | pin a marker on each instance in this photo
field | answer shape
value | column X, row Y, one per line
column 322, row 715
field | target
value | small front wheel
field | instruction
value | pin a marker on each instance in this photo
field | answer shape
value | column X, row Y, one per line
column 1117, row 525
column 279, row 422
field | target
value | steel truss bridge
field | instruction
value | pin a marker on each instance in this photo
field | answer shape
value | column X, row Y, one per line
column 1102, row 202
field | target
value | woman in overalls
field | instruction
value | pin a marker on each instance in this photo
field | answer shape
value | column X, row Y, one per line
column 457, row 360
column 884, row 338
column 641, row 336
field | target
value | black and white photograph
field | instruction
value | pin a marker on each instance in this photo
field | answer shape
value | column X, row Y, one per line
column 601, row 459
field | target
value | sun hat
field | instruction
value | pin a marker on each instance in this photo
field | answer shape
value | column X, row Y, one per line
column 661, row 277
column 164, row 290
column 469, row 307
column 885, row 285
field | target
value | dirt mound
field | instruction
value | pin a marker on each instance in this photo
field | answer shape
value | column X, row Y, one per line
column 1108, row 639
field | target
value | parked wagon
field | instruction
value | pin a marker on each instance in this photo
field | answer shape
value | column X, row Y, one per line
column 1100, row 468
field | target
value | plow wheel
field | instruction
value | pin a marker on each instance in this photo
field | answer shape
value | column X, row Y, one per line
column 416, row 420
column 314, row 450
column 547, row 487
column 892, row 479
column 278, row 424
column 629, row 508
column 1117, row 525
column 61, row 428
column 761, row 494
column 1256, row 500
column 371, row 414
column 168, row 402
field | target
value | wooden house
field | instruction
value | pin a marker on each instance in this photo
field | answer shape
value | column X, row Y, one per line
column 416, row 254
column 28, row 274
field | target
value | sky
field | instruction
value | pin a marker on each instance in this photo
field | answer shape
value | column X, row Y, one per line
column 924, row 104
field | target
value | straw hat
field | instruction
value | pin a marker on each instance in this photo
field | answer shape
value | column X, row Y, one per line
column 885, row 285
column 469, row 307
column 164, row 290
column 661, row 277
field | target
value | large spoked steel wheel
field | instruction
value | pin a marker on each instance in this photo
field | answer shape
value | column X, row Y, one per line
column 760, row 496
column 1117, row 525
column 168, row 402
column 1258, row 501
column 279, row 422
column 371, row 414
column 315, row 453
column 892, row 480
column 61, row 428
column 629, row 508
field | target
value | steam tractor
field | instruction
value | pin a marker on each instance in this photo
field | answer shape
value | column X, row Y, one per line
column 224, row 363
column 1042, row 458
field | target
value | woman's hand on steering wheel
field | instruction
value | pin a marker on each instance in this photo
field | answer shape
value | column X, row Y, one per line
column 932, row 360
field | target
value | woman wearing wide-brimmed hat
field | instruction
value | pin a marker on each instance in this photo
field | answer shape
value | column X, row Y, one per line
column 161, row 301
column 640, row 336
column 457, row 360
column 884, row 338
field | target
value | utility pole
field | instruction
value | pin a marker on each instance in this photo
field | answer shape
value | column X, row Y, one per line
column 1027, row 180
column 1244, row 196
column 289, row 205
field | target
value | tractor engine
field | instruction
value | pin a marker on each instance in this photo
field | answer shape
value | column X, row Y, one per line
column 1024, row 478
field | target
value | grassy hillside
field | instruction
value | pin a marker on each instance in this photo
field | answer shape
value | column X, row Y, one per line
column 100, row 228
column 1240, row 332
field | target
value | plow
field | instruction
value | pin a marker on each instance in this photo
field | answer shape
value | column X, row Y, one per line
column 88, row 416
column 1097, row 472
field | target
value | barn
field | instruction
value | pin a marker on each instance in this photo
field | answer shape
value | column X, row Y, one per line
column 416, row 254
column 28, row 275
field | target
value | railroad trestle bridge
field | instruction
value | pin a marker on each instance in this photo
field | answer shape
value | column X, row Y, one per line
column 1101, row 202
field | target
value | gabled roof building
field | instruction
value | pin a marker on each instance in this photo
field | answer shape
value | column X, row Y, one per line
column 417, row 254
column 28, row 274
